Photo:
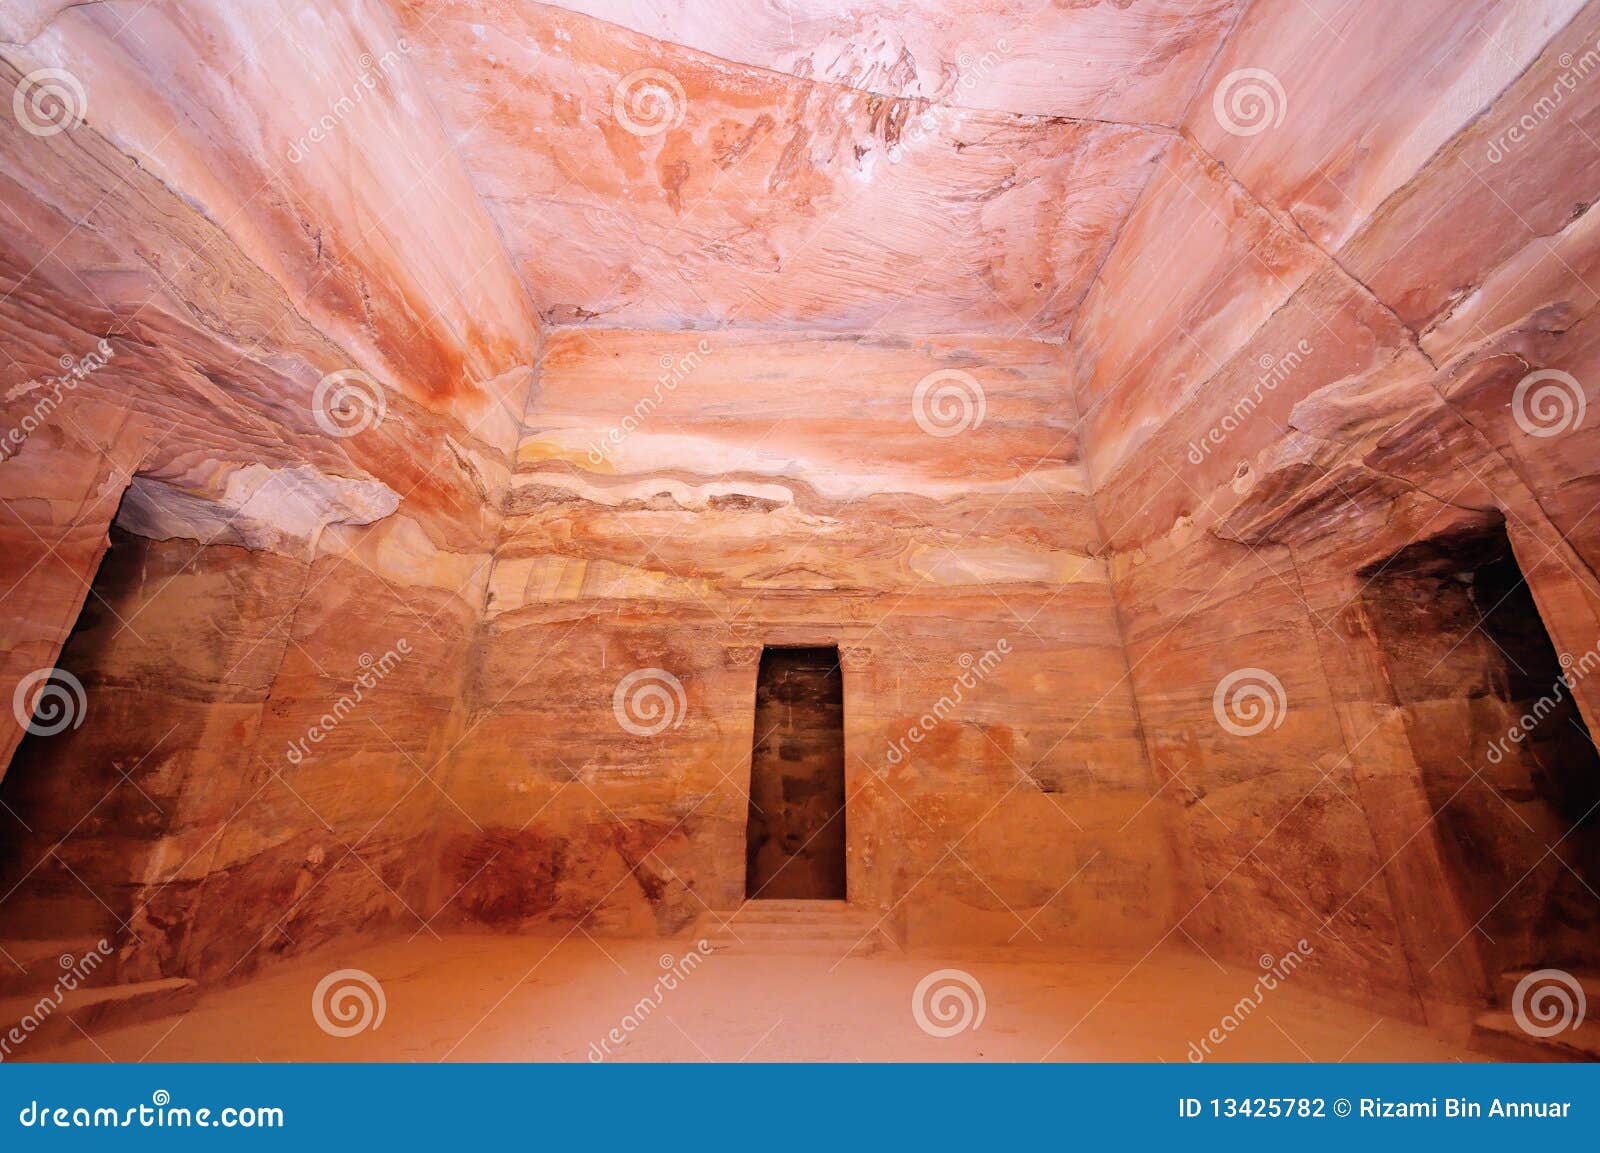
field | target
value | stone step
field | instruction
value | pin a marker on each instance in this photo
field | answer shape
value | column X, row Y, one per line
column 1590, row 983
column 795, row 926
column 762, row 917
column 49, row 1017
column 855, row 945
column 29, row 967
column 739, row 931
column 757, row 913
column 1499, row 1035
column 798, row 905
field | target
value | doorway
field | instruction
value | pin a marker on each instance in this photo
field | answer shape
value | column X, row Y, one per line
column 795, row 839
column 66, row 827
column 1507, row 762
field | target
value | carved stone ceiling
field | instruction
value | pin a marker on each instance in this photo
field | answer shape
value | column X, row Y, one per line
column 907, row 167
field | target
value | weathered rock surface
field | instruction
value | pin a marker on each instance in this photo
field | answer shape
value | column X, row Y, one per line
column 1132, row 61
column 690, row 192
column 440, row 374
column 1264, row 442
column 667, row 515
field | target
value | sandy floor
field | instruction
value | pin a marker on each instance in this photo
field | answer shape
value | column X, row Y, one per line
column 480, row 998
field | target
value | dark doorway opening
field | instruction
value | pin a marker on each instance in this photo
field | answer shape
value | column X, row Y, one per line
column 795, row 838
column 1508, row 765
column 63, row 816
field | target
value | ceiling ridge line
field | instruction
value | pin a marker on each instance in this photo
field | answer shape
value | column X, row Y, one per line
column 840, row 86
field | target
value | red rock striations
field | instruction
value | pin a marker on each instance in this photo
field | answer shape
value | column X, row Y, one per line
column 418, row 418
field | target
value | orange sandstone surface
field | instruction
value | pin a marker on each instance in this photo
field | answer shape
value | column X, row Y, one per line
column 417, row 419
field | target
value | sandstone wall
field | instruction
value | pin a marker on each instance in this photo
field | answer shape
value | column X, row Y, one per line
column 1297, row 347
column 680, row 501
column 1335, row 378
column 293, row 372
